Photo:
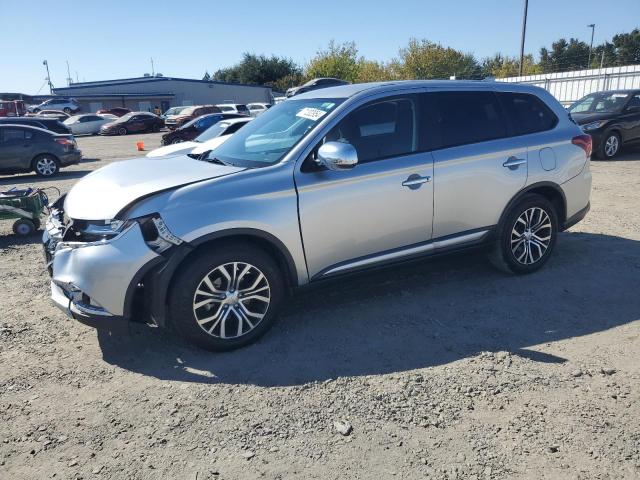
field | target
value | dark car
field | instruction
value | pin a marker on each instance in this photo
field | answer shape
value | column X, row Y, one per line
column 134, row 122
column 25, row 149
column 188, row 114
column 315, row 84
column 192, row 129
column 611, row 118
column 52, row 124
column 117, row 111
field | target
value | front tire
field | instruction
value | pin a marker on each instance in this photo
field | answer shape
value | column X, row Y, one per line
column 24, row 227
column 610, row 146
column 122, row 131
column 226, row 298
column 45, row 165
column 66, row 110
column 527, row 236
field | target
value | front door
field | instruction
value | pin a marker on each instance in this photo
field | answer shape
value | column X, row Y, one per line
column 379, row 210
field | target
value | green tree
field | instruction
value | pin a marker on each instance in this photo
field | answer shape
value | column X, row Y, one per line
column 563, row 56
column 258, row 69
column 372, row 71
column 500, row 66
column 337, row 61
column 627, row 46
column 425, row 60
column 206, row 76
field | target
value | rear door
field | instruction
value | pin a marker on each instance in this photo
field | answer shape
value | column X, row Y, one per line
column 16, row 148
column 477, row 168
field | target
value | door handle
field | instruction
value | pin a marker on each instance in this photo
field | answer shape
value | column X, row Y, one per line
column 414, row 181
column 513, row 163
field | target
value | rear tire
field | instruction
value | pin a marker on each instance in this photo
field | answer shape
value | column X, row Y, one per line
column 45, row 165
column 66, row 110
column 526, row 237
column 23, row 227
column 155, row 128
column 211, row 310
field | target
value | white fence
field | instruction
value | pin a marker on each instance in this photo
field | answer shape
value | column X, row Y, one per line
column 568, row 87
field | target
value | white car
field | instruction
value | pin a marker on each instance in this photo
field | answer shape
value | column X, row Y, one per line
column 211, row 136
column 240, row 108
column 256, row 109
column 89, row 123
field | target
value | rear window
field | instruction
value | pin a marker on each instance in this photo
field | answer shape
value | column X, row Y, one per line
column 528, row 113
column 469, row 117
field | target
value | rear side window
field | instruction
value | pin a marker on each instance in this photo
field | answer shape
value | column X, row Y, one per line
column 12, row 135
column 469, row 117
column 528, row 113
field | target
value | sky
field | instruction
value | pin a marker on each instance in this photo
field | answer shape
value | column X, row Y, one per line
column 116, row 38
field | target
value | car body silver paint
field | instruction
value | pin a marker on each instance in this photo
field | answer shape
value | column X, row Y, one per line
column 105, row 192
column 104, row 271
column 469, row 190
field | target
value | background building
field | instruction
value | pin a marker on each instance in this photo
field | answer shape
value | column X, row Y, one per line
column 145, row 93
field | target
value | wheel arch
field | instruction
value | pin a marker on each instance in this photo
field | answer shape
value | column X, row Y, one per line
column 159, row 277
column 549, row 190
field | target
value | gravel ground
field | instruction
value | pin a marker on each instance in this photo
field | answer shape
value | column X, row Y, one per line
column 442, row 370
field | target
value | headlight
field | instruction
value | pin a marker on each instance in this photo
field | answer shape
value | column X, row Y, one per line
column 155, row 232
column 593, row 125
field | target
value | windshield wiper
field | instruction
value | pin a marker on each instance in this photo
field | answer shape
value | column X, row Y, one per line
column 204, row 158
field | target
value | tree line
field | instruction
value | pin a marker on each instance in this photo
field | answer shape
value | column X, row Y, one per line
column 423, row 59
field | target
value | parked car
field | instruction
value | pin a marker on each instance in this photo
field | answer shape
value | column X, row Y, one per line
column 67, row 105
column 331, row 182
column 195, row 127
column 117, row 111
column 256, row 109
column 234, row 108
column 175, row 121
column 52, row 124
column 24, row 148
column 611, row 118
column 172, row 111
column 315, row 84
column 57, row 114
column 134, row 122
column 89, row 123
column 222, row 128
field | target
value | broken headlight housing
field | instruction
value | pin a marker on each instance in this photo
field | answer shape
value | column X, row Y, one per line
column 155, row 232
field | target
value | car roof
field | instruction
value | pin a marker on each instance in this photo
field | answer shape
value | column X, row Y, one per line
column 28, row 119
column 28, row 127
column 351, row 90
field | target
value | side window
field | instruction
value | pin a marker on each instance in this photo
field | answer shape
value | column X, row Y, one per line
column 381, row 129
column 10, row 135
column 634, row 102
column 233, row 128
column 469, row 117
column 528, row 113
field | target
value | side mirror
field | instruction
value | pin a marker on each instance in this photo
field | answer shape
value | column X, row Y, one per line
column 337, row 156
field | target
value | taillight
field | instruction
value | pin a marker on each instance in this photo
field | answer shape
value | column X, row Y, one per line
column 64, row 141
column 584, row 142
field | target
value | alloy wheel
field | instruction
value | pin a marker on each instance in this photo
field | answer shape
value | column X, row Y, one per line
column 611, row 146
column 231, row 300
column 531, row 236
column 46, row 166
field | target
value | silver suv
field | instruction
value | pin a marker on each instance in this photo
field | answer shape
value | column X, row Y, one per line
column 334, row 181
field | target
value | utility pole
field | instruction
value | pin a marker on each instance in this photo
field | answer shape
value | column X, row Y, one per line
column 46, row 64
column 69, row 79
column 524, row 31
column 592, row 26
column 153, row 73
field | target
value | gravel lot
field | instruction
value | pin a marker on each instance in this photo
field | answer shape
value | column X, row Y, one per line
column 443, row 370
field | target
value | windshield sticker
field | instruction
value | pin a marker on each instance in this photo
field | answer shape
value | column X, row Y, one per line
column 309, row 113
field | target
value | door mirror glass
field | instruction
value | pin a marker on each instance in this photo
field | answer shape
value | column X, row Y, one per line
column 337, row 156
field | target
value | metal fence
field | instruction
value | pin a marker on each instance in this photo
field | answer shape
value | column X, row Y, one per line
column 568, row 87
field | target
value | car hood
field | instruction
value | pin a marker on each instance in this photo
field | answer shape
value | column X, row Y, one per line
column 584, row 118
column 103, row 193
column 210, row 144
column 173, row 149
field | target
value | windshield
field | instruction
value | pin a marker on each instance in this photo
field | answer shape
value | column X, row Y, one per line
column 174, row 110
column 605, row 102
column 268, row 138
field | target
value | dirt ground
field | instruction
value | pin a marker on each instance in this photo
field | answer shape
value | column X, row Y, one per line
column 443, row 370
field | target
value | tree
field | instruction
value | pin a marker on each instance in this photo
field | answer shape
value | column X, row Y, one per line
column 563, row 56
column 258, row 69
column 372, row 71
column 425, row 60
column 627, row 47
column 206, row 76
column 500, row 66
column 337, row 61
